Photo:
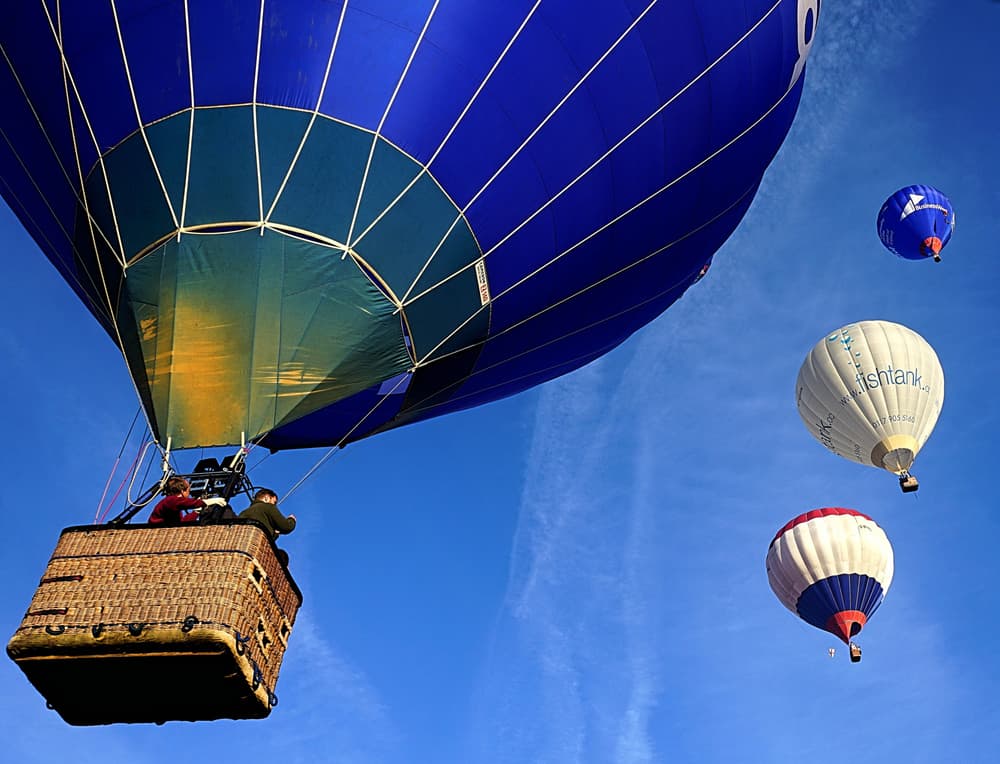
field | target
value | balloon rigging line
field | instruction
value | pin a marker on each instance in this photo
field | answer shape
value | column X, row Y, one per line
column 300, row 234
column 138, row 119
column 415, row 406
column 131, row 485
column 41, row 127
column 425, row 168
column 610, row 223
column 91, row 224
column 98, row 284
column 253, row 111
column 115, row 465
column 340, row 443
column 568, row 364
column 99, row 517
column 190, row 141
column 107, row 484
column 588, row 288
column 128, row 435
column 60, row 164
column 659, row 110
column 68, row 80
column 583, row 357
column 645, row 122
column 227, row 227
column 66, row 273
column 260, row 461
column 315, row 113
column 580, row 82
column 381, row 124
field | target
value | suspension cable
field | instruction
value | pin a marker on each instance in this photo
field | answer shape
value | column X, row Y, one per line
column 340, row 444
column 114, row 467
column 99, row 518
column 166, row 473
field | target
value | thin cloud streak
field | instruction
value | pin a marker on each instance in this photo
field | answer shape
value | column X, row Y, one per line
column 350, row 725
column 560, row 565
column 577, row 605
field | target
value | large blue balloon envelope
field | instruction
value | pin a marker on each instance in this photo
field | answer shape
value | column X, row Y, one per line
column 916, row 222
column 307, row 221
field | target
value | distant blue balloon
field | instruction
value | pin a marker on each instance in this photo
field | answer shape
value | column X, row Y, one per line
column 916, row 222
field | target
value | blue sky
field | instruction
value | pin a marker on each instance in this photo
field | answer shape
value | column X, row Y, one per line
column 577, row 574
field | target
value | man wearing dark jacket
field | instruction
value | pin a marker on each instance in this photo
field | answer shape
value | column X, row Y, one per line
column 264, row 510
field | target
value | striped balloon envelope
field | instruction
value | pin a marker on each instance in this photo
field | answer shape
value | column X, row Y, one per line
column 871, row 392
column 831, row 567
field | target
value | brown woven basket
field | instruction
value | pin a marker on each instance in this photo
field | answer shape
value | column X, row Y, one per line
column 151, row 624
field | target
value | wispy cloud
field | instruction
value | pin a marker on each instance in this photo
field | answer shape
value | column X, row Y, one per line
column 330, row 705
column 564, row 577
column 610, row 617
column 578, row 657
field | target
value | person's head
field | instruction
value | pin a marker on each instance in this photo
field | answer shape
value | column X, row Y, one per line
column 176, row 486
column 266, row 494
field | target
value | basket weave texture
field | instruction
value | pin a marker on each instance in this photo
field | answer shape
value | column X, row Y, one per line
column 142, row 623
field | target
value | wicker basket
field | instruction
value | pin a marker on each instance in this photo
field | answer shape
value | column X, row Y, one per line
column 150, row 624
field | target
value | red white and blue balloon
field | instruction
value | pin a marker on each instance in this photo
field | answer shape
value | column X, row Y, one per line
column 831, row 567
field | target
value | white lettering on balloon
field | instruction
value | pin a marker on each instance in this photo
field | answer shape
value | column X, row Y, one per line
column 808, row 15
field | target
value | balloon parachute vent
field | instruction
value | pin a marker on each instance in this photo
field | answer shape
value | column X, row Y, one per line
column 908, row 483
column 153, row 624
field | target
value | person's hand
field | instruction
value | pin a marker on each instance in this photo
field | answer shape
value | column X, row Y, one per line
column 215, row 500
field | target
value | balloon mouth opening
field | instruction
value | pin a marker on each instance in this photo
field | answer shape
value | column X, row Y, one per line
column 931, row 246
column 895, row 453
column 846, row 624
column 898, row 460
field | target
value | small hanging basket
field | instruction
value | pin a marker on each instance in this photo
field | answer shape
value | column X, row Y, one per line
column 152, row 624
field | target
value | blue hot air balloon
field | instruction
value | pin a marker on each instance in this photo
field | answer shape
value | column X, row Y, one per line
column 916, row 222
column 304, row 222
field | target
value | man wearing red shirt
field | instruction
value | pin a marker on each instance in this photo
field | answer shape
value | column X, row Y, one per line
column 176, row 506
